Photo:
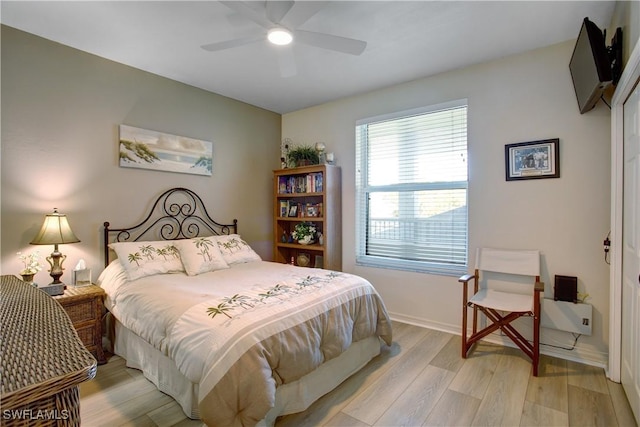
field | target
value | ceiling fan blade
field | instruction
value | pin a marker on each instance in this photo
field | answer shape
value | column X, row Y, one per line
column 213, row 47
column 286, row 61
column 301, row 12
column 331, row 42
column 254, row 15
column 276, row 10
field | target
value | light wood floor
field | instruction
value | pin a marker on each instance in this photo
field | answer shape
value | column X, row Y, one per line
column 419, row 380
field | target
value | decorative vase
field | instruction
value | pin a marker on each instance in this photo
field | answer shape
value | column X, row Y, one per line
column 307, row 240
column 28, row 278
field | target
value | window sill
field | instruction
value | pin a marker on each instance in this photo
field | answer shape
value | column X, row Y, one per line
column 413, row 266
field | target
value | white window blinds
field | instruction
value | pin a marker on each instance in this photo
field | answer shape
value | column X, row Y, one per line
column 412, row 190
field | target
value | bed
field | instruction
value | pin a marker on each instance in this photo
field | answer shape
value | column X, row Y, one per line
column 235, row 340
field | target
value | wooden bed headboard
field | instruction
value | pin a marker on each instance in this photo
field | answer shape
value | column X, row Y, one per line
column 178, row 213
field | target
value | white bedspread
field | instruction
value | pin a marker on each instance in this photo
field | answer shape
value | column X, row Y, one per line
column 241, row 332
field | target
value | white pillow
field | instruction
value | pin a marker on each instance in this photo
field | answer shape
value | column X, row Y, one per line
column 140, row 259
column 235, row 250
column 111, row 280
column 200, row 255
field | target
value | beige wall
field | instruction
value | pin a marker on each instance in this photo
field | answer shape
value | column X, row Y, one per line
column 60, row 114
column 520, row 98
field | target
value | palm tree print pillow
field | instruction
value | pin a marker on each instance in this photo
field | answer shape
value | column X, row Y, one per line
column 200, row 255
column 140, row 259
column 234, row 250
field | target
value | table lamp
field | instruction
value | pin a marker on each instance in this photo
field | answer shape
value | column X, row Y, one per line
column 55, row 231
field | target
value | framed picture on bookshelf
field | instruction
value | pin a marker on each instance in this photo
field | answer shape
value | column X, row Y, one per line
column 318, row 261
column 284, row 208
column 312, row 210
column 293, row 210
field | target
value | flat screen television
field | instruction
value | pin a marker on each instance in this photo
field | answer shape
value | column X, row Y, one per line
column 590, row 66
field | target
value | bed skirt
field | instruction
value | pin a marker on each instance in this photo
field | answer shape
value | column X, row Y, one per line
column 290, row 398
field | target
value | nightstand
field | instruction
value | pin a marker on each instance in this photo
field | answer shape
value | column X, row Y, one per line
column 84, row 307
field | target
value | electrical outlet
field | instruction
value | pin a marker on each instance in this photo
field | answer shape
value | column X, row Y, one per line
column 585, row 321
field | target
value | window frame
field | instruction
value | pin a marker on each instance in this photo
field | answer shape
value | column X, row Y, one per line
column 362, row 192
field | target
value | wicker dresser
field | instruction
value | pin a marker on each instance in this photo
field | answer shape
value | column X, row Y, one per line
column 42, row 360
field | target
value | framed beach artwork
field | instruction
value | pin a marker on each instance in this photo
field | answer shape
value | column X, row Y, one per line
column 147, row 149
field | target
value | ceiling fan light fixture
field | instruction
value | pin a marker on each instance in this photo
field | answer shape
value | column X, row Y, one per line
column 280, row 36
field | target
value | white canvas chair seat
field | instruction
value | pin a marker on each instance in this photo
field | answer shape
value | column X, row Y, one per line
column 503, row 301
column 500, row 306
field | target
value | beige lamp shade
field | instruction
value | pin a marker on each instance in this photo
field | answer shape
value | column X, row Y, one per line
column 55, row 230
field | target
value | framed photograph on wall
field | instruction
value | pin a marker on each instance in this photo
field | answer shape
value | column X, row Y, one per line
column 531, row 160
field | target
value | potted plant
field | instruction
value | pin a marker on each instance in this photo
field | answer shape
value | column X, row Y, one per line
column 31, row 265
column 303, row 155
column 304, row 233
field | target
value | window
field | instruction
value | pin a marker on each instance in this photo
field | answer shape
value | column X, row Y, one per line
column 411, row 208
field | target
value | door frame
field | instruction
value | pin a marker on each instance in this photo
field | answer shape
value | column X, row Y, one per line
column 625, row 86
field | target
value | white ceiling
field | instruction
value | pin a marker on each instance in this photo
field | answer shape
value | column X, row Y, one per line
column 406, row 41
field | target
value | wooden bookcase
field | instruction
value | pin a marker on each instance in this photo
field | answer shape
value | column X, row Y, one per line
column 313, row 190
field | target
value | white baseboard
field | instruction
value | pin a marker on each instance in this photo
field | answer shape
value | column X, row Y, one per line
column 578, row 354
column 424, row 323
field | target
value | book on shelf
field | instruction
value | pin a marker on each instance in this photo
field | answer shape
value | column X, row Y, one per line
column 318, row 183
column 282, row 185
column 309, row 183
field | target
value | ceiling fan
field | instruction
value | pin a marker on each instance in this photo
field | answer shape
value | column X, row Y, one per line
column 280, row 21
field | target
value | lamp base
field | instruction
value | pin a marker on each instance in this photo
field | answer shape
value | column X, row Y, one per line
column 53, row 289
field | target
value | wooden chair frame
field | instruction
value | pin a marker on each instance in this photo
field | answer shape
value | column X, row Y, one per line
column 500, row 321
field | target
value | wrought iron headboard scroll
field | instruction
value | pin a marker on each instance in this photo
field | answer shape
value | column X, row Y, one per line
column 178, row 213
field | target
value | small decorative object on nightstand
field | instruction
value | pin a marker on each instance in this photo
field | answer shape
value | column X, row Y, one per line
column 31, row 264
column 28, row 278
column 81, row 275
column 84, row 307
